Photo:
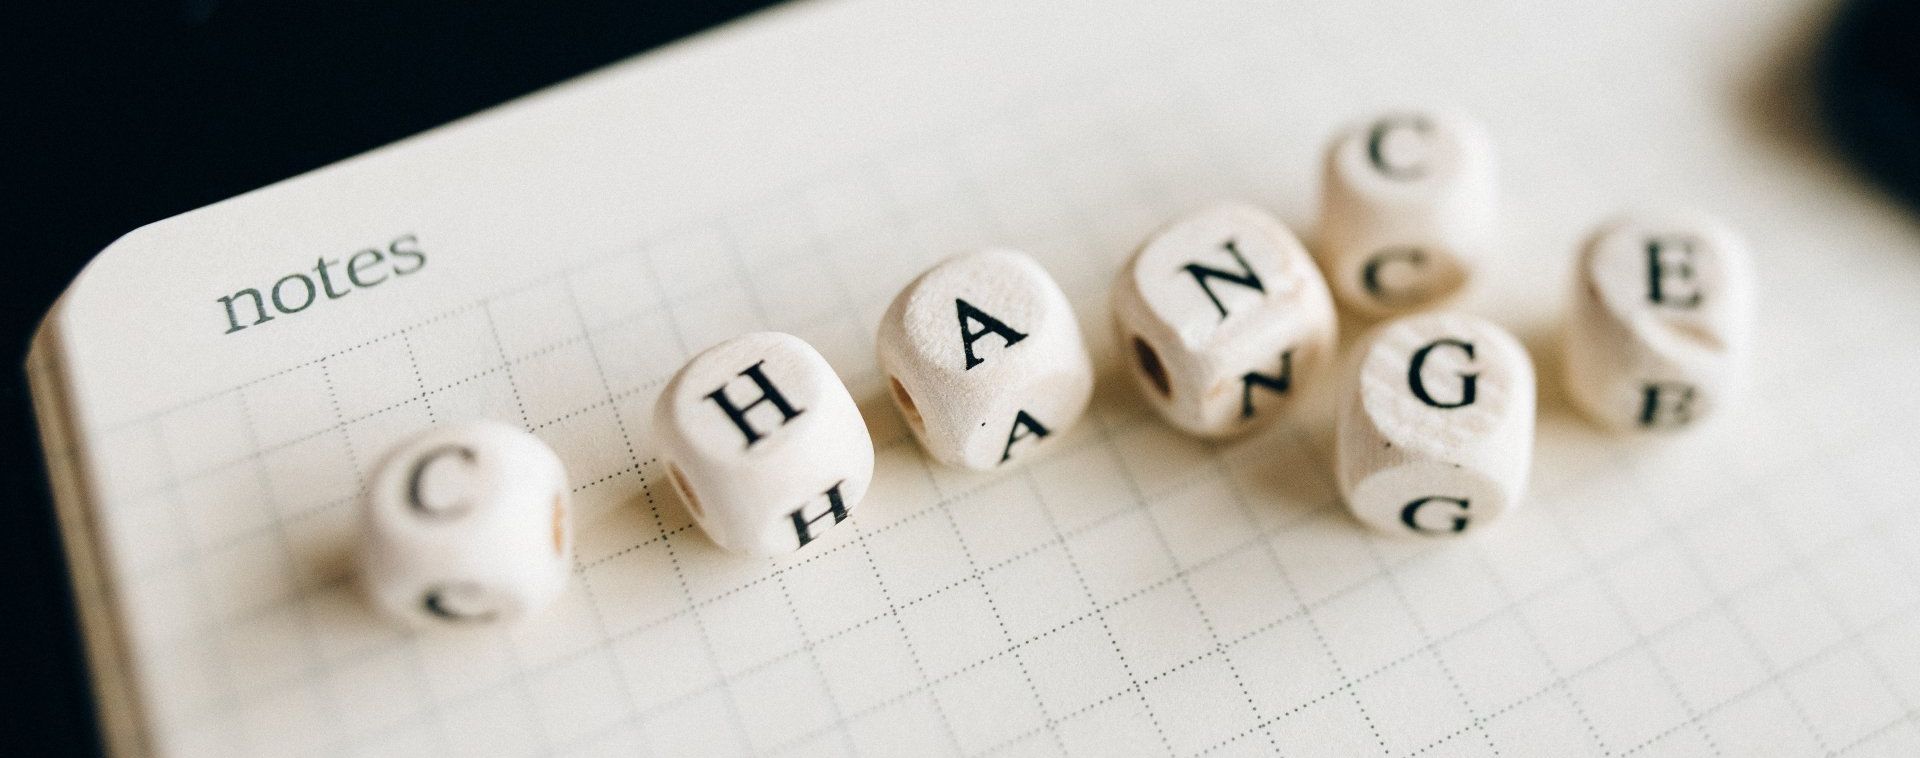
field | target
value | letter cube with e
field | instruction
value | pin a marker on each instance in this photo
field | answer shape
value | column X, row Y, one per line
column 1662, row 314
column 984, row 358
column 1437, row 435
column 1408, row 208
column 467, row 524
column 763, row 443
column 1223, row 314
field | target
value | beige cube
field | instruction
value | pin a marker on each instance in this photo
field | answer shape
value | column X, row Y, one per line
column 467, row 524
column 1436, row 436
column 763, row 443
column 1408, row 210
column 1224, row 317
column 1663, row 311
column 985, row 359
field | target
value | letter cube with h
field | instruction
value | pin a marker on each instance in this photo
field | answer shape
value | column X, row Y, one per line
column 763, row 443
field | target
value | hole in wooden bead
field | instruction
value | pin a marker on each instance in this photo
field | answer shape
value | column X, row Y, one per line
column 1150, row 366
column 686, row 492
column 907, row 408
column 559, row 524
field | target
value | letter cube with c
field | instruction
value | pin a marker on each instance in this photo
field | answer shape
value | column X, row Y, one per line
column 763, row 443
column 467, row 524
column 985, row 359
column 1408, row 208
column 1224, row 315
column 1436, row 435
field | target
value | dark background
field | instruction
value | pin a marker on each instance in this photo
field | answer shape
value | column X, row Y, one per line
column 120, row 114
column 126, row 113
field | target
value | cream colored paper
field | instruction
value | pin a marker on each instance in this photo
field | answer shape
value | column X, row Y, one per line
column 1747, row 590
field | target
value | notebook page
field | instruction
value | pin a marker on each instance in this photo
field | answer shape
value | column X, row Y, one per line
column 1750, row 589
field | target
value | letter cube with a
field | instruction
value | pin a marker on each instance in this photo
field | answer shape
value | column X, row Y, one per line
column 763, row 443
column 1408, row 209
column 1662, row 314
column 1224, row 314
column 467, row 524
column 1436, row 435
column 984, row 358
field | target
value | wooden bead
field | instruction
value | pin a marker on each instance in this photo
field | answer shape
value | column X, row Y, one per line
column 985, row 359
column 1437, row 434
column 763, row 443
column 467, row 524
column 1408, row 209
column 1662, row 315
column 1224, row 315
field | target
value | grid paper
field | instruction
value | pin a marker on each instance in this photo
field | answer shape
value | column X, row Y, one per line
column 1129, row 591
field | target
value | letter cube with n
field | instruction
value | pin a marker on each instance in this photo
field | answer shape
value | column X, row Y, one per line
column 1224, row 315
column 1408, row 208
column 1437, row 433
column 985, row 359
column 763, row 443
column 1663, row 310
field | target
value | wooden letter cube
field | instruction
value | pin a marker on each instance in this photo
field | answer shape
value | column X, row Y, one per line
column 1409, row 205
column 763, row 443
column 1224, row 314
column 1662, row 315
column 467, row 524
column 985, row 359
column 1437, row 435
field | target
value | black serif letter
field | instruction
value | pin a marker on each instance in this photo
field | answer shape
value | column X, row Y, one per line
column 969, row 316
column 768, row 394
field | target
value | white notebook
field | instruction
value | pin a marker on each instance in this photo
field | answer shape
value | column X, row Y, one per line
column 1751, row 589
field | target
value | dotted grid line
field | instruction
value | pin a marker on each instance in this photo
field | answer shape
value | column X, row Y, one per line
column 1763, row 581
column 1300, row 439
column 517, row 674
column 1879, row 667
column 864, row 535
column 1612, row 559
column 1081, row 228
column 295, row 592
column 585, row 336
column 633, row 459
column 1305, row 611
column 664, row 536
column 971, row 189
column 1560, row 679
column 1160, row 188
column 308, row 642
column 225, row 695
column 730, row 703
column 1326, row 464
column 1013, row 107
column 1747, row 636
column 975, row 575
column 732, row 246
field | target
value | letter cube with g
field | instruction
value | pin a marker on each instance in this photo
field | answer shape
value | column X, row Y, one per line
column 1436, row 435
column 467, row 524
column 763, row 443
column 985, row 359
